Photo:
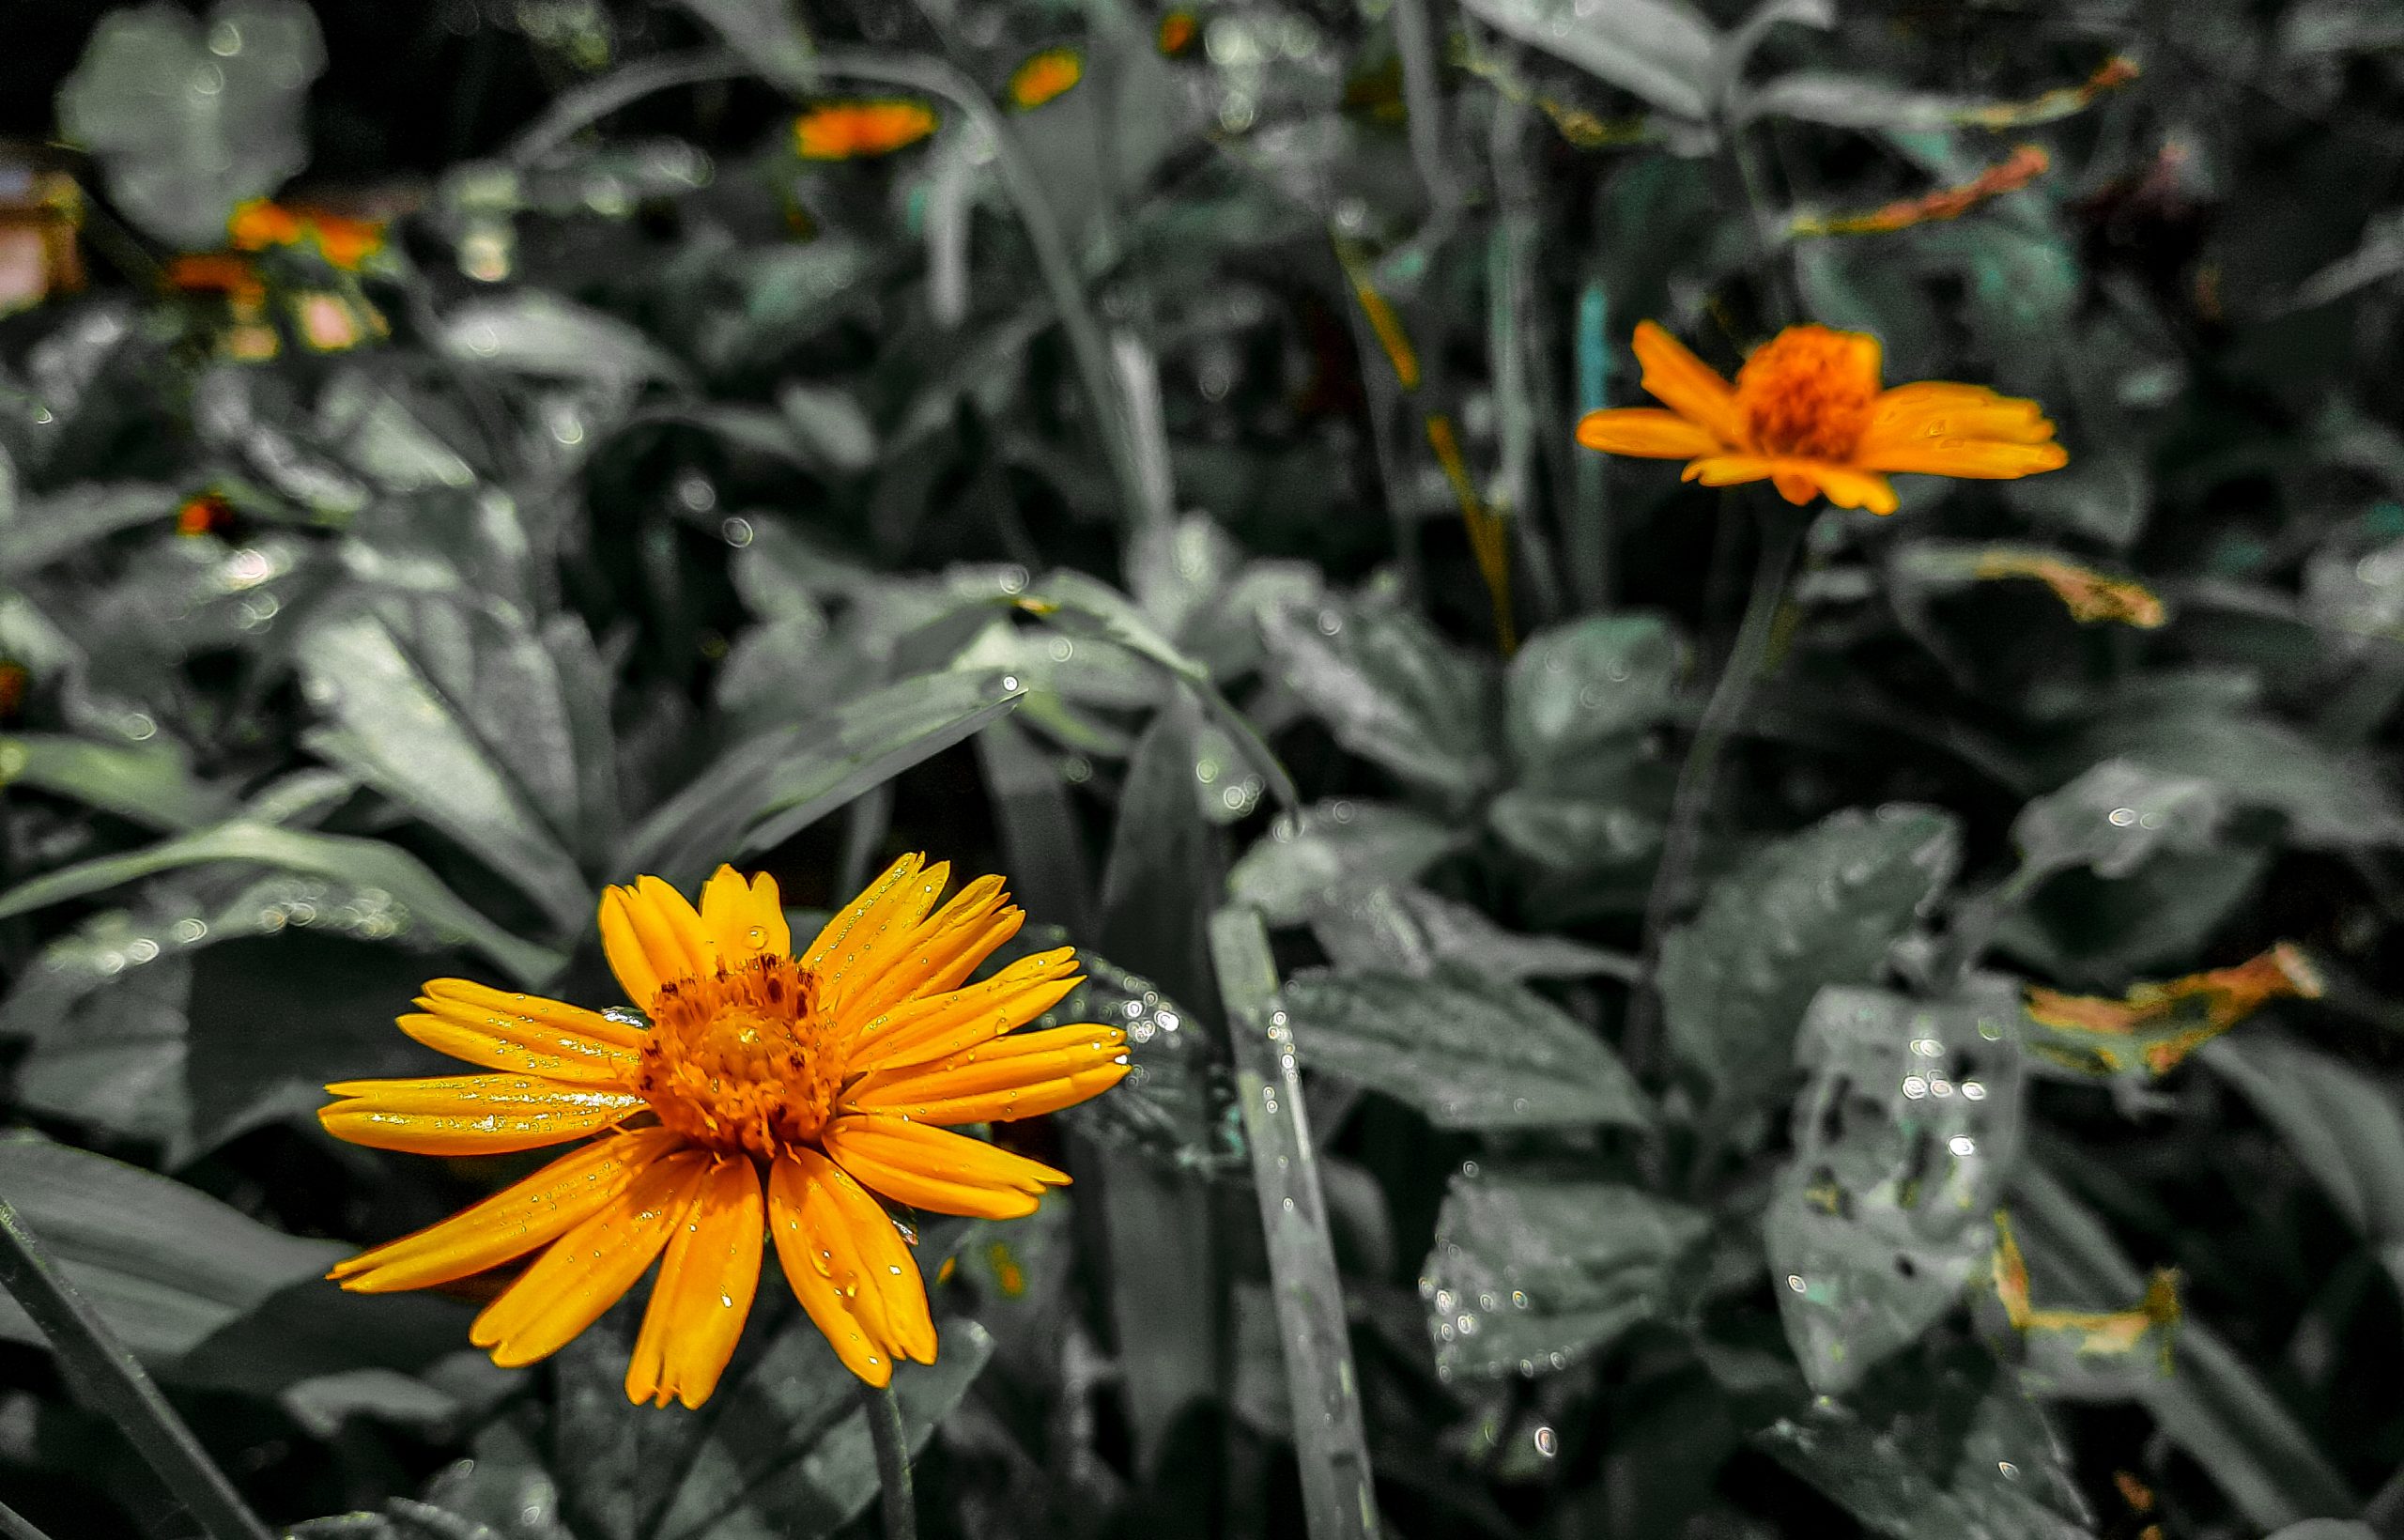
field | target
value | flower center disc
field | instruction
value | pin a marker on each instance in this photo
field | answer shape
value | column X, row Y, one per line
column 742, row 1061
column 1808, row 391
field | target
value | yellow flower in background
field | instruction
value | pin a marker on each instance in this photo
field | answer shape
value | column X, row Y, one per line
column 776, row 1094
column 1808, row 415
column 850, row 131
column 1045, row 76
column 344, row 242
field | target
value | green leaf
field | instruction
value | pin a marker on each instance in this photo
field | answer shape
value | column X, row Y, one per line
column 763, row 792
column 1406, row 929
column 2345, row 1128
column 1851, row 101
column 1468, row 1051
column 531, row 331
column 2117, row 816
column 190, row 121
column 1912, row 1122
column 416, row 895
column 1529, row 1272
column 66, row 521
column 429, row 745
column 1388, row 687
column 164, row 1266
column 1948, row 1450
column 149, row 784
column 1659, row 50
column 1310, row 859
column 1817, row 908
column 1586, row 688
column 2332, row 801
column 767, row 32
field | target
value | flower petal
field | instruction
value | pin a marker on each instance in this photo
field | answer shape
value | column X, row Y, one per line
column 1846, row 488
column 996, row 1075
column 1935, row 408
column 745, row 920
column 464, row 1115
column 807, row 1232
column 1796, row 486
column 946, row 1023
column 935, row 1169
column 638, row 975
column 1730, row 469
column 889, row 1283
column 945, row 949
column 473, row 998
column 1687, row 385
column 520, row 1045
column 1648, row 433
column 681, row 923
column 1979, row 459
column 879, row 936
column 591, row 1268
column 704, row 1290
column 512, row 1222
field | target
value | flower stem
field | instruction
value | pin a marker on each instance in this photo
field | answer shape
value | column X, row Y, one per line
column 1782, row 532
column 882, row 1410
column 16, row 1526
column 105, row 1368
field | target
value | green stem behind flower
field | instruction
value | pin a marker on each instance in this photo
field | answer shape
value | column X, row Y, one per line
column 882, row 1410
column 104, row 1367
column 1782, row 532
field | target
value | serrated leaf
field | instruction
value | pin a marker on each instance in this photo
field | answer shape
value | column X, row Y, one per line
column 1468, row 1051
column 189, row 122
column 1902, row 1142
column 1388, row 687
column 1817, row 908
column 1530, row 1273
column 1310, row 859
column 165, row 1265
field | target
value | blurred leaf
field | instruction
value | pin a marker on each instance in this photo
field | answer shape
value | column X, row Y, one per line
column 1952, row 1450
column 1659, row 50
column 2332, row 801
column 164, row 1266
column 1817, row 908
column 1901, row 1145
column 533, row 332
column 2116, row 817
column 830, row 425
column 417, row 896
column 1388, row 687
column 46, row 529
column 1529, row 1272
column 2093, row 932
column 1582, row 687
column 1162, row 875
column 767, row 32
column 1850, row 101
column 187, row 121
column 1310, row 859
column 1466, row 1050
column 2344, row 1126
column 151, row 783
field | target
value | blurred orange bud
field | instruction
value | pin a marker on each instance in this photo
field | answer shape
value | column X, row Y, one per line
column 1045, row 76
column 847, row 130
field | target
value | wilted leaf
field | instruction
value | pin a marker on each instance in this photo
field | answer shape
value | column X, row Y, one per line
column 1912, row 1121
column 165, row 1265
column 1820, row 907
column 189, row 121
column 1529, row 1272
column 1468, row 1051
column 2153, row 1029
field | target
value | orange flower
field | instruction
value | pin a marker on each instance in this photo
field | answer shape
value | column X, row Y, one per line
column 1045, row 76
column 849, row 131
column 205, row 512
column 14, row 680
column 774, row 1091
column 1177, row 31
column 236, row 277
column 1807, row 415
column 345, row 242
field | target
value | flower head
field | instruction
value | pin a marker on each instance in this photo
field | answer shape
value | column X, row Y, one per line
column 1045, row 75
column 1808, row 415
column 850, row 130
column 775, row 1095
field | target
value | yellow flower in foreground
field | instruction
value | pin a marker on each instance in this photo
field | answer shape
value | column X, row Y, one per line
column 774, row 1093
column 1044, row 76
column 1807, row 415
column 847, row 130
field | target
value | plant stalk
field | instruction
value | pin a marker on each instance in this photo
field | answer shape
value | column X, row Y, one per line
column 106, row 1369
column 1782, row 532
column 882, row 1410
